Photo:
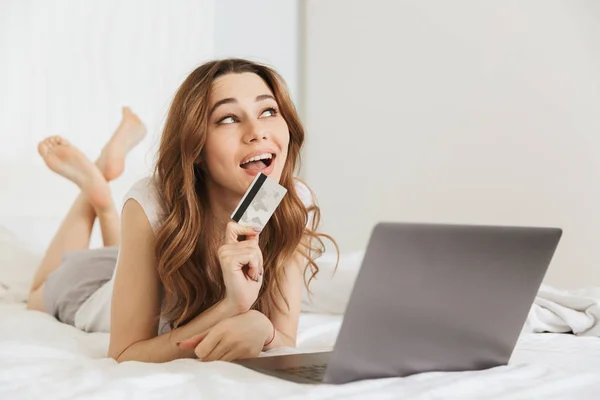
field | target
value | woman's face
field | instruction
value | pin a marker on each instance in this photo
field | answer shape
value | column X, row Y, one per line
column 246, row 133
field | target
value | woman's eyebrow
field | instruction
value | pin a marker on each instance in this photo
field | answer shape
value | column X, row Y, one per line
column 264, row 97
column 221, row 102
column 230, row 100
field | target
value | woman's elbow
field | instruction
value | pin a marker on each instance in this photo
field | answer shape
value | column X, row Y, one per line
column 115, row 356
column 118, row 354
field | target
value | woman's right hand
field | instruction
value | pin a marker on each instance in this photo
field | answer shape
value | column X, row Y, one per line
column 242, row 266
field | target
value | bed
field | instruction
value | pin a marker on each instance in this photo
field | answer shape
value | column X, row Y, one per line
column 42, row 358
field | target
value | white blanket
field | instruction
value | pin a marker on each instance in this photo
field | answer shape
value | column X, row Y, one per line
column 562, row 311
column 43, row 359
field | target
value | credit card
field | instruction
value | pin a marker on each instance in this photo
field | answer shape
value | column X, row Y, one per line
column 259, row 202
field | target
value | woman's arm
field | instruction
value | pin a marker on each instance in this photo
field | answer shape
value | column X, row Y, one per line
column 245, row 335
column 136, row 299
column 285, row 321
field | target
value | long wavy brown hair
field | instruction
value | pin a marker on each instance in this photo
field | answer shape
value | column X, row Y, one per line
column 186, row 242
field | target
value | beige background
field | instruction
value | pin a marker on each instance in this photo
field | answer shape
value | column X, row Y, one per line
column 461, row 111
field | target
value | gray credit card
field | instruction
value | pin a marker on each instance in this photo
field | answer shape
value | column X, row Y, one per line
column 259, row 203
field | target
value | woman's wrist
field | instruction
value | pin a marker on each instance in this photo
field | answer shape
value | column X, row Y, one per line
column 268, row 327
column 270, row 333
column 232, row 308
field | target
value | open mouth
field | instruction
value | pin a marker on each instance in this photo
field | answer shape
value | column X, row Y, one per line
column 259, row 162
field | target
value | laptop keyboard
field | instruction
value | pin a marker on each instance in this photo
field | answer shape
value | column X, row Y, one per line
column 310, row 372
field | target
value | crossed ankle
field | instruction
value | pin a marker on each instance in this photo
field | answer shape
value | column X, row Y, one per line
column 106, row 211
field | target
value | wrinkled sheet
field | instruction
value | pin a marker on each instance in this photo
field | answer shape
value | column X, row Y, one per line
column 41, row 358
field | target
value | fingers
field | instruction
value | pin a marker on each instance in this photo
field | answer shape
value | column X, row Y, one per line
column 228, row 350
column 255, row 265
column 240, row 350
column 255, row 268
column 239, row 255
column 217, row 353
column 235, row 230
column 206, row 346
column 247, row 244
column 191, row 342
column 238, row 258
column 231, row 355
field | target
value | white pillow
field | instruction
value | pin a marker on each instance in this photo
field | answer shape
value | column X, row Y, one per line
column 329, row 291
column 17, row 267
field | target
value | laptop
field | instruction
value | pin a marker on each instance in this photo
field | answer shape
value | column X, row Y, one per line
column 430, row 297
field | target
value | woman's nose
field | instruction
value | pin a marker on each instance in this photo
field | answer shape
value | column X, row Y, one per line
column 255, row 132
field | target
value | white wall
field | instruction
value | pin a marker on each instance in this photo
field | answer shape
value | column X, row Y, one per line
column 262, row 30
column 67, row 68
column 462, row 111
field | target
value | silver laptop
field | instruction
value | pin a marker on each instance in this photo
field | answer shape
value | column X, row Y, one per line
column 430, row 298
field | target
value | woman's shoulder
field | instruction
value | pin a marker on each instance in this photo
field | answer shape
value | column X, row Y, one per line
column 145, row 192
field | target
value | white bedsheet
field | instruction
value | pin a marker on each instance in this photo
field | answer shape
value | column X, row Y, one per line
column 43, row 359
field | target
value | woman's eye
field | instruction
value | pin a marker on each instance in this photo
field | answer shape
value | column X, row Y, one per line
column 269, row 112
column 227, row 120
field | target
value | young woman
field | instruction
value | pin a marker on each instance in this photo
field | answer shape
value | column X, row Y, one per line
column 189, row 282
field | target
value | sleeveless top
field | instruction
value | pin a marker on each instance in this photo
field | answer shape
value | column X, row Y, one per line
column 94, row 313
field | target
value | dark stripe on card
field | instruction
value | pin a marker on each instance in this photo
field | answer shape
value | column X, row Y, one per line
column 251, row 195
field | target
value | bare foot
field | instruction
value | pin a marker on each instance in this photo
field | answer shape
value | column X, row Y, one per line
column 129, row 133
column 68, row 161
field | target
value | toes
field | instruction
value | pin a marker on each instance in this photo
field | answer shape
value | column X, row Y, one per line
column 127, row 113
column 57, row 140
column 46, row 145
column 43, row 147
column 49, row 142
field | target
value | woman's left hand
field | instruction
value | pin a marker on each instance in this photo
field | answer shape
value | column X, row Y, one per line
column 242, row 336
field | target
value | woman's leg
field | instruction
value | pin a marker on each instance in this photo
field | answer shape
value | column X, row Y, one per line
column 95, row 198
column 111, row 163
column 75, row 230
column 74, row 233
column 94, row 201
column 128, row 134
